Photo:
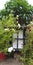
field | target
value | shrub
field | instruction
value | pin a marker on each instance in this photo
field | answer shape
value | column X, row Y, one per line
column 27, row 51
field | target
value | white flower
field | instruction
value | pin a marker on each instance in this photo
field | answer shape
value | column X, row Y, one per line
column 19, row 25
column 6, row 29
column 10, row 49
column 20, row 7
column 31, row 22
column 17, row 15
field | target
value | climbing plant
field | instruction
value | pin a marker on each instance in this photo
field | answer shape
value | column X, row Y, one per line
column 27, row 51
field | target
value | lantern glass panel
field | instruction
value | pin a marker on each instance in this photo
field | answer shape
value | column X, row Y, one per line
column 15, row 35
column 20, row 44
column 20, row 34
column 15, row 44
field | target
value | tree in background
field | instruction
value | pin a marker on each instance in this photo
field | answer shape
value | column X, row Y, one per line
column 20, row 8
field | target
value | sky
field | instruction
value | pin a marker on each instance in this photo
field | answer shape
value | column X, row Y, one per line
column 30, row 2
column 2, row 2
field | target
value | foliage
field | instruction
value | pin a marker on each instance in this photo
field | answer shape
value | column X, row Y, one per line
column 27, row 52
column 6, row 32
column 20, row 8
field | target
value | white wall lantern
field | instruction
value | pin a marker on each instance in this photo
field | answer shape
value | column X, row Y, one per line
column 18, row 41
